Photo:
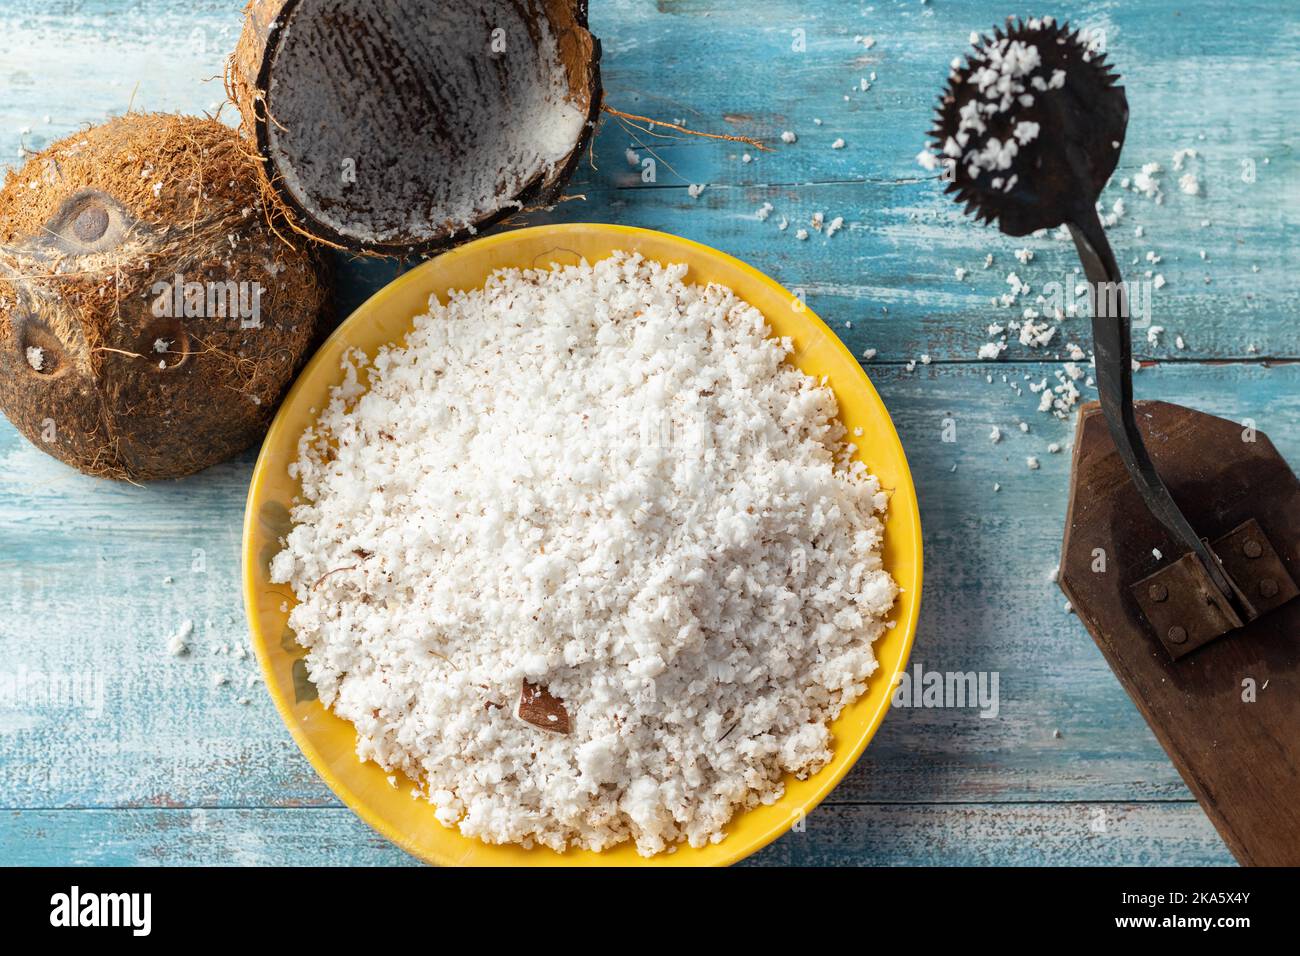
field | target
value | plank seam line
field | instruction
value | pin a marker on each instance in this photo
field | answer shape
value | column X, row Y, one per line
column 1159, row 801
column 1266, row 363
column 724, row 187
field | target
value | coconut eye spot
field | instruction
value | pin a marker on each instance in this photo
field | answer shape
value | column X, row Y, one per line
column 164, row 344
column 89, row 222
column 40, row 351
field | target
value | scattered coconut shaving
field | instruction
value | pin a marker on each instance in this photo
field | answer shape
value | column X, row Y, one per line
column 176, row 644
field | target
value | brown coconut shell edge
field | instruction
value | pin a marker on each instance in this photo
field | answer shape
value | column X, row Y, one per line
column 247, row 78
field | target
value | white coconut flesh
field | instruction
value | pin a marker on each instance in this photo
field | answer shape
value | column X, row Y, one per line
column 402, row 121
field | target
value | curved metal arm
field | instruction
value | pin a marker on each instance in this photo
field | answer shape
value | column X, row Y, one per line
column 1114, row 356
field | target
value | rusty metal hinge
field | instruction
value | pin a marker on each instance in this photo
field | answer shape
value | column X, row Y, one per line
column 1185, row 608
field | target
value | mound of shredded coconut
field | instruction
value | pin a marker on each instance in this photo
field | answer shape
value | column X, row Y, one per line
column 587, row 559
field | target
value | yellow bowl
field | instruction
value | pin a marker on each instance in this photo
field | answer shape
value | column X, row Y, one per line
column 329, row 741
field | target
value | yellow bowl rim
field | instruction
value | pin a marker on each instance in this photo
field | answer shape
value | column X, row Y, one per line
column 841, row 764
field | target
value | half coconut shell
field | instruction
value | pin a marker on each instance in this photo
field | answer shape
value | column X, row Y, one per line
column 397, row 127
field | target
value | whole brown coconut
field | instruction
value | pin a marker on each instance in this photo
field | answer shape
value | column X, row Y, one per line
column 150, row 316
column 399, row 126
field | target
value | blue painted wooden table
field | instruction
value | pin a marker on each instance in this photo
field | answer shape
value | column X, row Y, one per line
column 122, row 754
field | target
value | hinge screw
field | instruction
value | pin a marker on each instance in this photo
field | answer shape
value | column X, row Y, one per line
column 1158, row 592
column 1177, row 635
column 1268, row 587
column 1251, row 548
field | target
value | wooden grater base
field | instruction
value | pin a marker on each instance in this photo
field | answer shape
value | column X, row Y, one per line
column 1228, row 712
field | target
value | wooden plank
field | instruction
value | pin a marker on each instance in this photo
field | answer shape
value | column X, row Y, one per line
column 1123, row 834
column 83, row 563
column 1082, row 834
column 902, row 241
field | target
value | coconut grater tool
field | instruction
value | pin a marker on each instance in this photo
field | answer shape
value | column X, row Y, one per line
column 1181, row 550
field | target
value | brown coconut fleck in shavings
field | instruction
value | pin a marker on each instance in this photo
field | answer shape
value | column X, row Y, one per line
column 540, row 708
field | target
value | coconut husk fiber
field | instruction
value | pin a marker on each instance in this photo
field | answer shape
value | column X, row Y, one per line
column 104, row 364
column 398, row 127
